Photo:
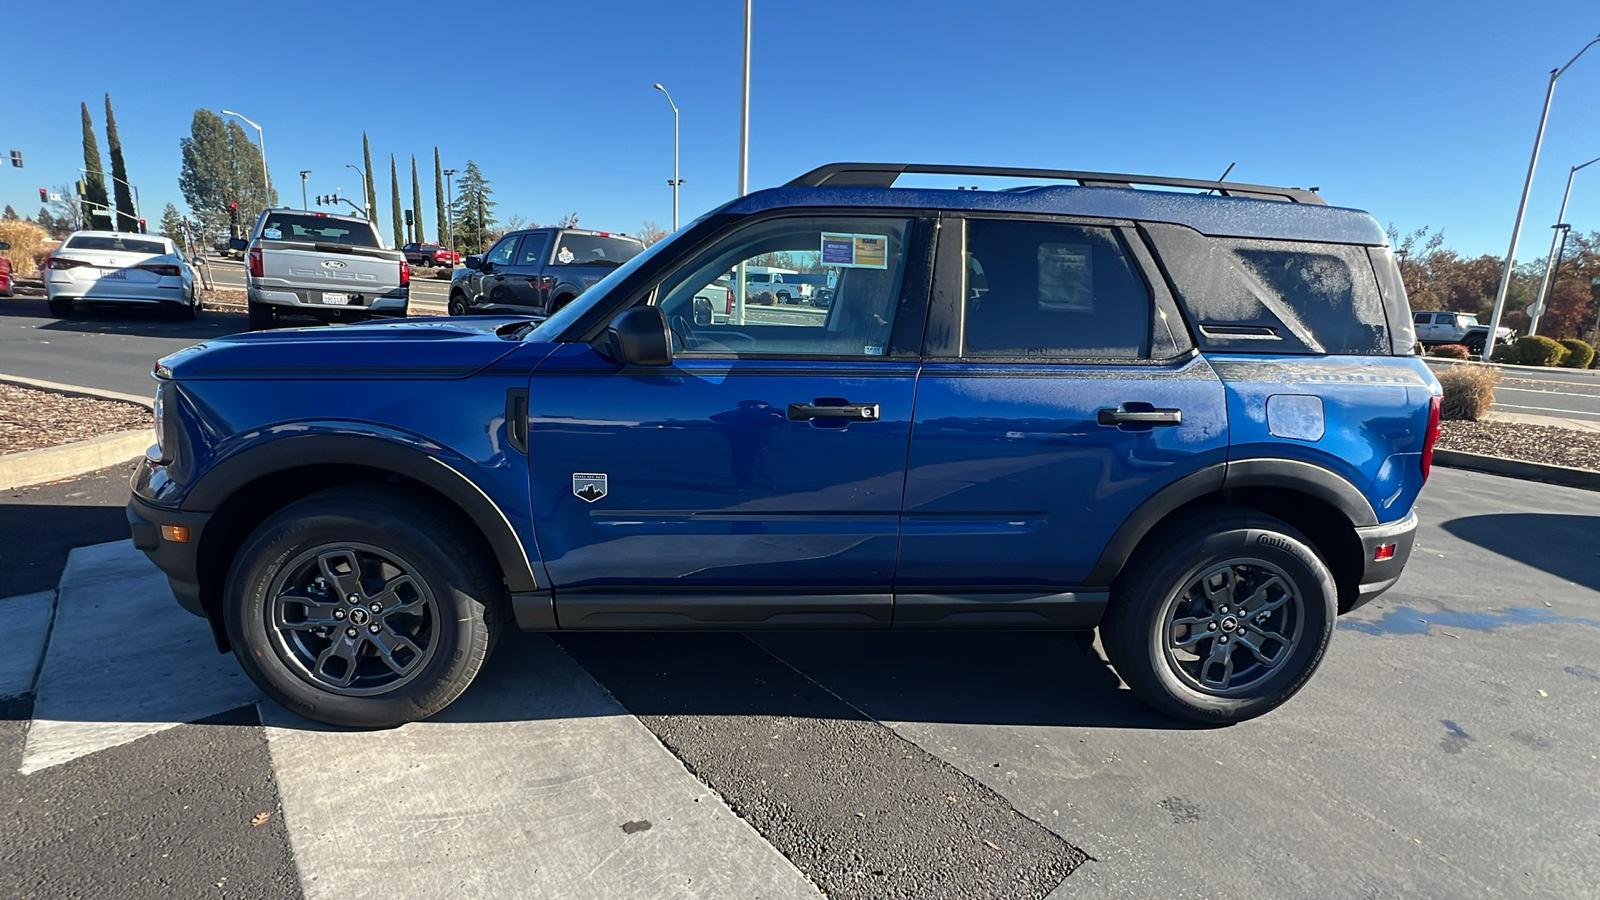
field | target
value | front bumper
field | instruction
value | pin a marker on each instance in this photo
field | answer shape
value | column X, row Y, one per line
column 178, row 560
column 1380, row 575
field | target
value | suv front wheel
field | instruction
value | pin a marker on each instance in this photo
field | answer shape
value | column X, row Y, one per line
column 1221, row 618
column 357, row 606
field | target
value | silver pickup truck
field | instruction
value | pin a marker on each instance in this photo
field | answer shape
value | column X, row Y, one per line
column 331, row 268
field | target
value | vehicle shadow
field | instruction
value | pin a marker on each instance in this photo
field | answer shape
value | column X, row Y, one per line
column 35, row 541
column 1567, row 546
column 146, row 322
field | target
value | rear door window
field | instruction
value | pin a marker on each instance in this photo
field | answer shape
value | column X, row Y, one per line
column 533, row 250
column 1041, row 290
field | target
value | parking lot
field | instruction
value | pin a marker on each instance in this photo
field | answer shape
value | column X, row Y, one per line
column 1446, row 748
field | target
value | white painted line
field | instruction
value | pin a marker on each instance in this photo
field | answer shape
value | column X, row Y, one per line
column 1549, row 393
column 24, row 630
column 124, row 661
column 535, row 784
column 1568, row 412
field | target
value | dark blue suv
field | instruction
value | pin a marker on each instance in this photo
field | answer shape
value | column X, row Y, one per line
column 1190, row 417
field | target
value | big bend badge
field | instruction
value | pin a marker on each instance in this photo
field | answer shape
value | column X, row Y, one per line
column 590, row 486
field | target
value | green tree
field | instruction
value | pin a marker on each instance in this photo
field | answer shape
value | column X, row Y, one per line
column 221, row 166
column 127, row 219
column 416, row 204
column 95, row 201
column 172, row 227
column 10, row 215
column 372, row 190
column 47, row 221
column 473, row 211
column 438, row 196
column 399, row 220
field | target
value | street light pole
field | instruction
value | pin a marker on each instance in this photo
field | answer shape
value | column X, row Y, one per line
column 363, row 173
column 1522, row 205
column 262, row 138
column 1550, row 263
column 303, row 174
column 138, row 213
column 744, row 156
column 450, row 206
column 675, row 179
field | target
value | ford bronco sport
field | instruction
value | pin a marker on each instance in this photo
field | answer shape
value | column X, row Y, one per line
column 1190, row 417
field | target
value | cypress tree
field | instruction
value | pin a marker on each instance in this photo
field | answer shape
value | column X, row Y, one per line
column 127, row 220
column 416, row 203
column 399, row 221
column 94, row 180
column 438, row 196
column 372, row 190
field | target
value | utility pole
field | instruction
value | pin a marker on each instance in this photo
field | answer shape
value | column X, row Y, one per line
column 266, row 179
column 1550, row 262
column 450, row 206
column 303, row 174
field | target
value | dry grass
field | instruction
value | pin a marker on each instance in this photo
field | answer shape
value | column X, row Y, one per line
column 26, row 240
column 31, row 419
column 1468, row 391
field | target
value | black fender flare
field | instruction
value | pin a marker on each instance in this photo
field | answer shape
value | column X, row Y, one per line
column 1302, row 477
column 239, row 469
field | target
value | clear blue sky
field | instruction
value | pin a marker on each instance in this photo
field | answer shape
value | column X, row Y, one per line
column 1421, row 112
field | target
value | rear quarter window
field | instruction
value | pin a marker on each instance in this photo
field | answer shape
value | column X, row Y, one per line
column 1276, row 297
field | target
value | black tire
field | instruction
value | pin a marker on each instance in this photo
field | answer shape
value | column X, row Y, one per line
column 61, row 309
column 561, row 301
column 187, row 312
column 262, row 316
column 1237, row 551
column 454, row 583
column 457, row 305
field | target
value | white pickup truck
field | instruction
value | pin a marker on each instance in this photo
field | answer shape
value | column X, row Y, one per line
column 1434, row 328
column 329, row 267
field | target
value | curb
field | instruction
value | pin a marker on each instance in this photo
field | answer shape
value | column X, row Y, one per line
column 73, row 390
column 77, row 458
column 1527, row 471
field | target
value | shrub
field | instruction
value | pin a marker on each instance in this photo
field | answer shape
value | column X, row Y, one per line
column 1579, row 354
column 25, row 239
column 1506, row 353
column 1538, row 350
column 1468, row 391
column 1451, row 351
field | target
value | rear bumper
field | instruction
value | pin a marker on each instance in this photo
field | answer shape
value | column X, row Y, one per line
column 1380, row 575
column 179, row 561
column 310, row 301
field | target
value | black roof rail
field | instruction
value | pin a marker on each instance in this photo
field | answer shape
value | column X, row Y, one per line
column 885, row 174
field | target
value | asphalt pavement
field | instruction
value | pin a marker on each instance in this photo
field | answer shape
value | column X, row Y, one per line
column 1446, row 748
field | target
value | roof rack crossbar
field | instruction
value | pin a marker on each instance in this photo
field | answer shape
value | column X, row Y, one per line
column 886, row 174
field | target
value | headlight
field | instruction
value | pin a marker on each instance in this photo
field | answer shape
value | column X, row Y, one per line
column 161, row 424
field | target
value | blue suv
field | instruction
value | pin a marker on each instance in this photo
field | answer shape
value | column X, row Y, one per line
column 1190, row 417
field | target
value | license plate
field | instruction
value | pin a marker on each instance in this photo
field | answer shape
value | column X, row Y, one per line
column 336, row 299
column 114, row 273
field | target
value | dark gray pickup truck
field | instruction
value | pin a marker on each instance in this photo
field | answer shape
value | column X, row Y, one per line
column 537, row 271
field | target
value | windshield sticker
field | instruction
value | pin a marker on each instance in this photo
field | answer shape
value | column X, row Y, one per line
column 565, row 256
column 856, row 251
column 272, row 234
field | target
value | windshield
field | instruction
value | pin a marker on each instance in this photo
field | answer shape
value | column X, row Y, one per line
column 576, row 249
column 116, row 242
column 570, row 313
column 1470, row 320
column 285, row 226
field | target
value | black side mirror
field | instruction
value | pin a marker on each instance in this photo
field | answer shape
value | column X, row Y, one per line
column 473, row 262
column 639, row 337
column 4, row 246
column 239, row 244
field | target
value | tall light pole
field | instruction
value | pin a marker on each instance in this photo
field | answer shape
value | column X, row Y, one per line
column 1550, row 262
column 303, row 174
column 675, row 179
column 262, row 138
column 450, row 206
column 744, row 155
column 1522, row 205
column 363, row 173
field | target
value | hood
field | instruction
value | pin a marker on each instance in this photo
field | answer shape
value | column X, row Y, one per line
column 412, row 349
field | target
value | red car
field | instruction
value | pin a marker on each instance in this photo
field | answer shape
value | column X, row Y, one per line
column 6, row 288
column 430, row 255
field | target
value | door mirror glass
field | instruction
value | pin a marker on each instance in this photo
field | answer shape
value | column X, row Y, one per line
column 473, row 262
column 639, row 337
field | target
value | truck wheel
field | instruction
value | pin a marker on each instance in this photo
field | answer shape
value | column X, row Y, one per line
column 457, row 305
column 559, row 302
column 1222, row 618
column 262, row 316
column 362, row 606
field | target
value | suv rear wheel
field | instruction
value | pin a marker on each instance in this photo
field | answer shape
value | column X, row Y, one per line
column 1221, row 619
column 362, row 607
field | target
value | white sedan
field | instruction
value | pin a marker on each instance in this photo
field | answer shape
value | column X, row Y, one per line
column 113, row 267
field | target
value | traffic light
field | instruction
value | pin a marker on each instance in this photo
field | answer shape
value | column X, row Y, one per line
column 44, row 196
column 142, row 228
column 16, row 158
column 233, row 220
column 78, row 185
column 408, row 218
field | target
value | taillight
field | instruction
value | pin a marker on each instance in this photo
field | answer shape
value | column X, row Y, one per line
column 1432, row 437
column 405, row 273
column 257, row 269
column 728, row 307
column 57, row 262
column 163, row 270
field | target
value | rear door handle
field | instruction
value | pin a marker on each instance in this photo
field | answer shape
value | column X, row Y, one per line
column 1139, row 414
column 858, row 412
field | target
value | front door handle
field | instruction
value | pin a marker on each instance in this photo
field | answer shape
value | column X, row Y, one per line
column 1139, row 414
column 828, row 409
